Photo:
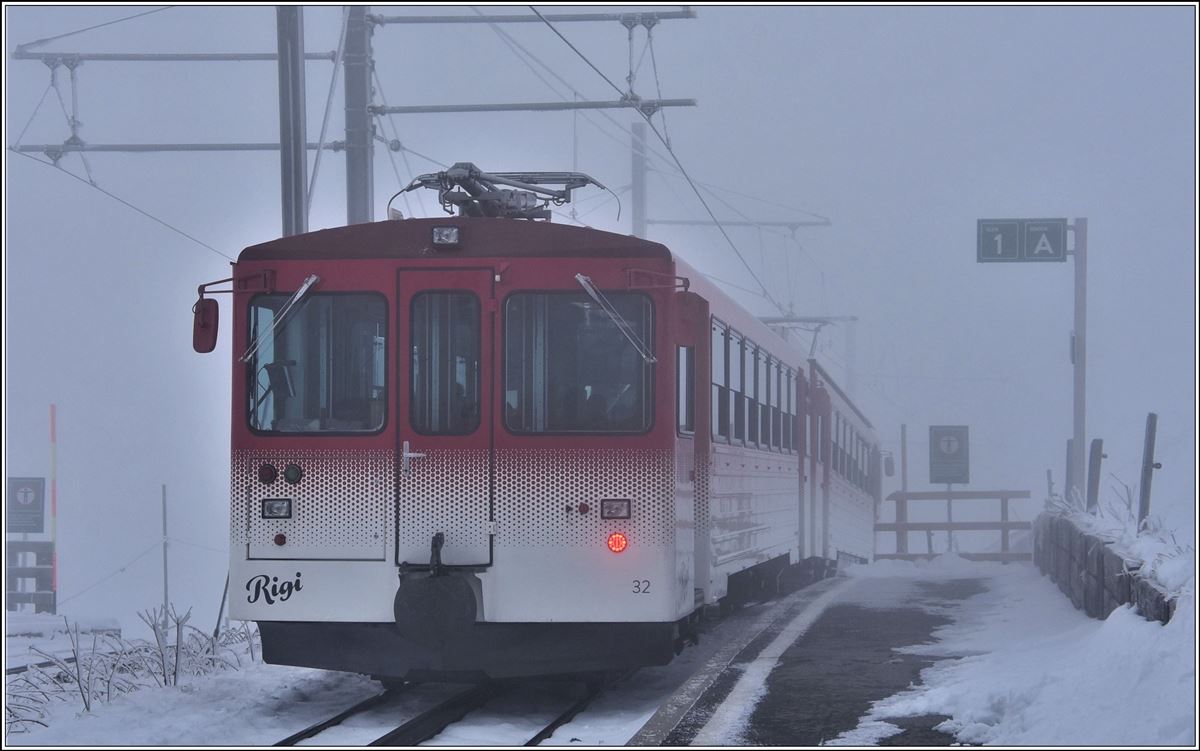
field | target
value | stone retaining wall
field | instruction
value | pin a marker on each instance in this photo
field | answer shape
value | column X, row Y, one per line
column 1091, row 574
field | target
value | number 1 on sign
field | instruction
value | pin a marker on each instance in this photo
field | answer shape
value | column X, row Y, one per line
column 999, row 247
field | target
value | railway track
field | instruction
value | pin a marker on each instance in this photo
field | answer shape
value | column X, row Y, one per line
column 439, row 715
column 46, row 664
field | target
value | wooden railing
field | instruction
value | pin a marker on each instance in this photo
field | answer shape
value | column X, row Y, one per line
column 902, row 526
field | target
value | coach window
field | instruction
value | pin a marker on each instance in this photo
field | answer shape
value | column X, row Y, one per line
column 568, row 367
column 776, row 405
column 444, row 362
column 751, row 393
column 818, row 437
column 685, row 388
column 836, row 441
column 323, row 368
column 737, row 385
column 841, row 448
column 847, row 470
column 764, row 398
column 720, row 380
column 789, row 415
column 833, row 440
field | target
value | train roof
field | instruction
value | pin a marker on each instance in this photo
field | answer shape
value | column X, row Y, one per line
column 412, row 238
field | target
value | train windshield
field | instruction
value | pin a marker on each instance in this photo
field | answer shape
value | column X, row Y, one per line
column 570, row 369
column 324, row 369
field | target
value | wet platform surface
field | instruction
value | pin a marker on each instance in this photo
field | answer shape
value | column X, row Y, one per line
column 827, row 679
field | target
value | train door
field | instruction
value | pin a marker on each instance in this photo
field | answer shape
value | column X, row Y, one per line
column 693, row 437
column 802, row 444
column 444, row 414
column 822, row 460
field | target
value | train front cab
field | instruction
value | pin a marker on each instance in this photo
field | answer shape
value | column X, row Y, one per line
column 461, row 466
column 487, row 469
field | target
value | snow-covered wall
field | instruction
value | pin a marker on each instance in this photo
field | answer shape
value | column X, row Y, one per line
column 1093, row 573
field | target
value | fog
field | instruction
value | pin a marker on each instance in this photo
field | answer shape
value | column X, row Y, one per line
column 902, row 125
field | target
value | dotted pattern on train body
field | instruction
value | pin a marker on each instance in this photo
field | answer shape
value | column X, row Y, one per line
column 538, row 493
column 343, row 498
column 447, row 492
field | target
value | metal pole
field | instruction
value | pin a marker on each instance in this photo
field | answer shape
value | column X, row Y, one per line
column 792, row 225
column 293, row 154
column 902, row 506
column 221, row 610
column 53, row 509
column 1095, row 458
column 651, row 17
column 949, row 520
column 1070, row 471
column 639, row 179
column 1080, row 356
column 360, row 133
column 851, row 334
column 1148, row 467
column 63, row 58
column 164, row 546
column 645, row 105
column 58, row 149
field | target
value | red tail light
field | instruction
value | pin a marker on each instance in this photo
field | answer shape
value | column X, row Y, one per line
column 617, row 542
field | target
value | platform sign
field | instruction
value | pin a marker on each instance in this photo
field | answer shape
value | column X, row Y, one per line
column 949, row 455
column 1021, row 240
column 26, row 504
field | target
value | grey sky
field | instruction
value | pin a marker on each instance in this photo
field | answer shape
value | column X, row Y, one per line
column 902, row 124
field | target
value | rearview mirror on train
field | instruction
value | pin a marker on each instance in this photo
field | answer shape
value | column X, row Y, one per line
column 204, row 325
column 889, row 466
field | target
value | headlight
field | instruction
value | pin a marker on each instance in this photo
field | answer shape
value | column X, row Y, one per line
column 277, row 508
column 614, row 508
column 445, row 236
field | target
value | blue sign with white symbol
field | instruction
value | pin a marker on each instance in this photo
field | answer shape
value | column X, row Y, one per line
column 949, row 455
column 26, row 504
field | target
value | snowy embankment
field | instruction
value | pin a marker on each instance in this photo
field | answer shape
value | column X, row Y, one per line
column 1025, row 668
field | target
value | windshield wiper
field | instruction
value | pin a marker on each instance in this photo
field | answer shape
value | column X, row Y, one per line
column 616, row 318
column 258, row 341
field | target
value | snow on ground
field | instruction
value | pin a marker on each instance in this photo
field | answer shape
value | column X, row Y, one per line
column 1162, row 558
column 1026, row 668
column 1023, row 667
column 257, row 705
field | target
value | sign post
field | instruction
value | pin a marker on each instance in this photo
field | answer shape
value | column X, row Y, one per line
column 1039, row 241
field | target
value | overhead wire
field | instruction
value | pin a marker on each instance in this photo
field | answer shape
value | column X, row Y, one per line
column 396, row 135
column 337, row 64
column 120, row 570
column 525, row 56
column 39, row 42
column 675, row 158
column 657, row 85
column 35, row 111
column 120, row 200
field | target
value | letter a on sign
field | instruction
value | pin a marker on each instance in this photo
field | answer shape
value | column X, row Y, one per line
column 1045, row 239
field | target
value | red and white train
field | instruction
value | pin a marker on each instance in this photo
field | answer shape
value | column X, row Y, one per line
column 490, row 446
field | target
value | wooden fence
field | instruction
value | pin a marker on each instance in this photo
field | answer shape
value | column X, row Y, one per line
column 902, row 526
